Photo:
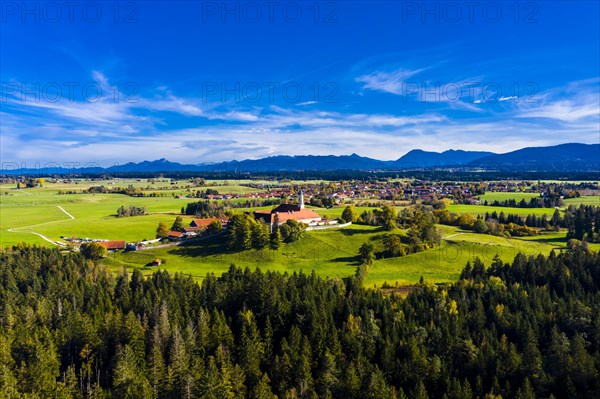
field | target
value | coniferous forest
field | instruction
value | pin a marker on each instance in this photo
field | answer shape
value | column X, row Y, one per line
column 69, row 329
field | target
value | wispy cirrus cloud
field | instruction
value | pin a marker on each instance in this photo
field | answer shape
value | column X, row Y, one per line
column 390, row 82
column 565, row 110
column 105, row 131
column 577, row 101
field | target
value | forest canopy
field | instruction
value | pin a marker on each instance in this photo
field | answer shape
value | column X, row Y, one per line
column 70, row 329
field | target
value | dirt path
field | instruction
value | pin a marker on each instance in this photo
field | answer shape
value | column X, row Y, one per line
column 67, row 213
column 62, row 244
column 453, row 235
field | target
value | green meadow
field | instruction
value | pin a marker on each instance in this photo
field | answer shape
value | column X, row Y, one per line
column 330, row 253
column 37, row 210
column 491, row 196
column 585, row 200
column 482, row 209
column 334, row 253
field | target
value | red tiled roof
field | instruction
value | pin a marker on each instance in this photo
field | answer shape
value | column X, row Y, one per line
column 175, row 233
column 113, row 244
column 286, row 208
column 302, row 214
column 297, row 215
column 205, row 222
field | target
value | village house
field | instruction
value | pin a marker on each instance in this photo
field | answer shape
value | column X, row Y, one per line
column 113, row 245
column 199, row 225
column 175, row 235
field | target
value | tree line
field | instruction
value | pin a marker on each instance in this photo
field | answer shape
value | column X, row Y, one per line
column 207, row 208
column 582, row 222
column 245, row 232
column 549, row 201
column 132, row 210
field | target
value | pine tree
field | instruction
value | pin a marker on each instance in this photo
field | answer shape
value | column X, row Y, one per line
column 260, row 235
column 262, row 390
column 526, row 391
column 210, row 386
column 420, row 392
column 275, row 239
column 304, row 375
column 129, row 381
column 378, row 388
column 177, row 224
column 251, row 348
column 179, row 367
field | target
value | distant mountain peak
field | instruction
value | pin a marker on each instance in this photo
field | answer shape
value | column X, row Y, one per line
column 562, row 157
column 422, row 158
column 569, row 156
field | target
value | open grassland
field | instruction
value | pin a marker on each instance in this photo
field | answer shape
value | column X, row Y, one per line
column 585, row 200
column 37, row 210
column 336, row 211
column 166, row 186
column 330, row 253
column 26, row 211
column 482, row 209
column 333, row 253
column 491, row 196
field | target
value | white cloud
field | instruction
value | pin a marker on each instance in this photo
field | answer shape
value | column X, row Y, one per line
column 307, row 103
column 389, row 82
column 578, row 101
column 109, row 132
column 567, row 111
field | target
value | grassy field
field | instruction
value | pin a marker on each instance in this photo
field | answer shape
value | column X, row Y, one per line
column 482, row 209
column 333, row 253
column 490, row 196
column 336, row 211
column 23, row 212
column 330, row 253
column 586, row 200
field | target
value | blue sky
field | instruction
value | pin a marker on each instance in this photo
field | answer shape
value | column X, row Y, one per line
column 203, row 81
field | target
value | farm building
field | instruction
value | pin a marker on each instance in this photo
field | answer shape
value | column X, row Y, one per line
column 113, row 245
column 155, row 262
column 285, row 212
column 175, row 235
column 202, row 224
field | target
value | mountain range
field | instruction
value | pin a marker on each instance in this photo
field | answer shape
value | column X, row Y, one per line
column 563, row 157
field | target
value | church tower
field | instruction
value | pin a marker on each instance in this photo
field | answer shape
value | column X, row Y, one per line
column 301, row 200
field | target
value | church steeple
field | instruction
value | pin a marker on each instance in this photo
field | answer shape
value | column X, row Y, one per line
column 301, row 200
